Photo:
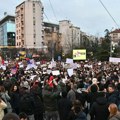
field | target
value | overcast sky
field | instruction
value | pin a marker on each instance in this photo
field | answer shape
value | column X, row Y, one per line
column 89, row 15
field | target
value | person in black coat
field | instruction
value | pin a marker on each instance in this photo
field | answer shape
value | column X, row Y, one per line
column 27, row 103
column 15, row 99
column 112, row 94
column 38, row 104
column 99, row 109
column 64, row 106
column 77, row 112
column 93, row 94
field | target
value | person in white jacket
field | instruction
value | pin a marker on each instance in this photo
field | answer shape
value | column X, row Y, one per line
column 3, row 105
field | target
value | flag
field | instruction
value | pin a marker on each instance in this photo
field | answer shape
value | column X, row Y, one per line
column 50, row 81
column 28, row 61
column 3, row 62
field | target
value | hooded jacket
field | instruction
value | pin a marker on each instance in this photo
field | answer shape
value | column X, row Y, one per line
column 50, row 98
column 99, row 109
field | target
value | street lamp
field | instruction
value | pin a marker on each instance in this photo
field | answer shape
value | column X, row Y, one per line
column 112, row 48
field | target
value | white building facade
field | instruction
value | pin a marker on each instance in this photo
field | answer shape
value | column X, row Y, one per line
column 115, row 37
column 29, row 24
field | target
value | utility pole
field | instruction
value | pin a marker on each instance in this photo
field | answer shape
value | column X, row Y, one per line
column 111, row 44
column 110, row 47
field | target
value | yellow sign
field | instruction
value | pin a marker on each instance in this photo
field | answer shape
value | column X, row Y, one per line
column 22, row 54
column 79, row 54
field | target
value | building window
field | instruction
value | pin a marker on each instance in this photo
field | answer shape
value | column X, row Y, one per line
column 34, row 22
column 23, row 42
column 42, row 9
column 33, row 4
column 34, row 36
column 33, row 18
column 22, row 23
column 34, row 31
column 33, row 10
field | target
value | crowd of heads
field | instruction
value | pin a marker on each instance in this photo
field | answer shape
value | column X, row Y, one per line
column 88, row 76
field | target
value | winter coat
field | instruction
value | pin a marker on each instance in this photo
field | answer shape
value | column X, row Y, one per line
column 99, row 109
column 38, row 105
column 91, row 97
column 64, row 108
column 50, row 98
column 6, row 98
column 115, row 117
column 81, row 116
column 112, row 97
column 71, row 95
column 27, row 104
column 81, row 96
column 15, row 98
column 3, row 105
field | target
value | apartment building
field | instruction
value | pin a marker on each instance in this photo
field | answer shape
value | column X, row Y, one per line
column 70, row 35
column 51, row 33
column 29, row 24
column 52, row 38
column 115, row 36
column 7, row 31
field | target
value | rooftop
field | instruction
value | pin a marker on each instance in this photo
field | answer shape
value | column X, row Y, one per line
column 116, row 31
column 7, row 18
column 46, row 24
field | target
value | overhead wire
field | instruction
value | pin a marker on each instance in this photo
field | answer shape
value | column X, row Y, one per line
column 45, row 13
column 46, row 16
column 109, row 13
column 53, row 10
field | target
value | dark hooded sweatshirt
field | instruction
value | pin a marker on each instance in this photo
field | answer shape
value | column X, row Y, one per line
column 99, row 109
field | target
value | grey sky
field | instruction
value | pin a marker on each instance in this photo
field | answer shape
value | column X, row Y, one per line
column 89, row 15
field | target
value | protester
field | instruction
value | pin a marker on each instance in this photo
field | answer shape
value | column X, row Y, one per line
column 114, row 114
column 23, row 116
column 36, row 88
column 77, row 112
column 3, row 105
column 50, row 96
column 11, row 116
column 4, row 95
column 112, row 95
column 15, row 98
column 72, row 93
column 27, row 104
column 99, row 109
column 64, row 106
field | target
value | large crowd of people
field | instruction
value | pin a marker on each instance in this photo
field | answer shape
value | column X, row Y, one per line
column 93, row 89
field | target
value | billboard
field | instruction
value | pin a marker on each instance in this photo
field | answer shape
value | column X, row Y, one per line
column 79, row 54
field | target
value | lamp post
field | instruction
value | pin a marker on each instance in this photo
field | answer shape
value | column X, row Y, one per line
column 111, row 43
column 110, row 47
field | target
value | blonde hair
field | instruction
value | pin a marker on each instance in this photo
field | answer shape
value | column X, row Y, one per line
column 113, row 109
